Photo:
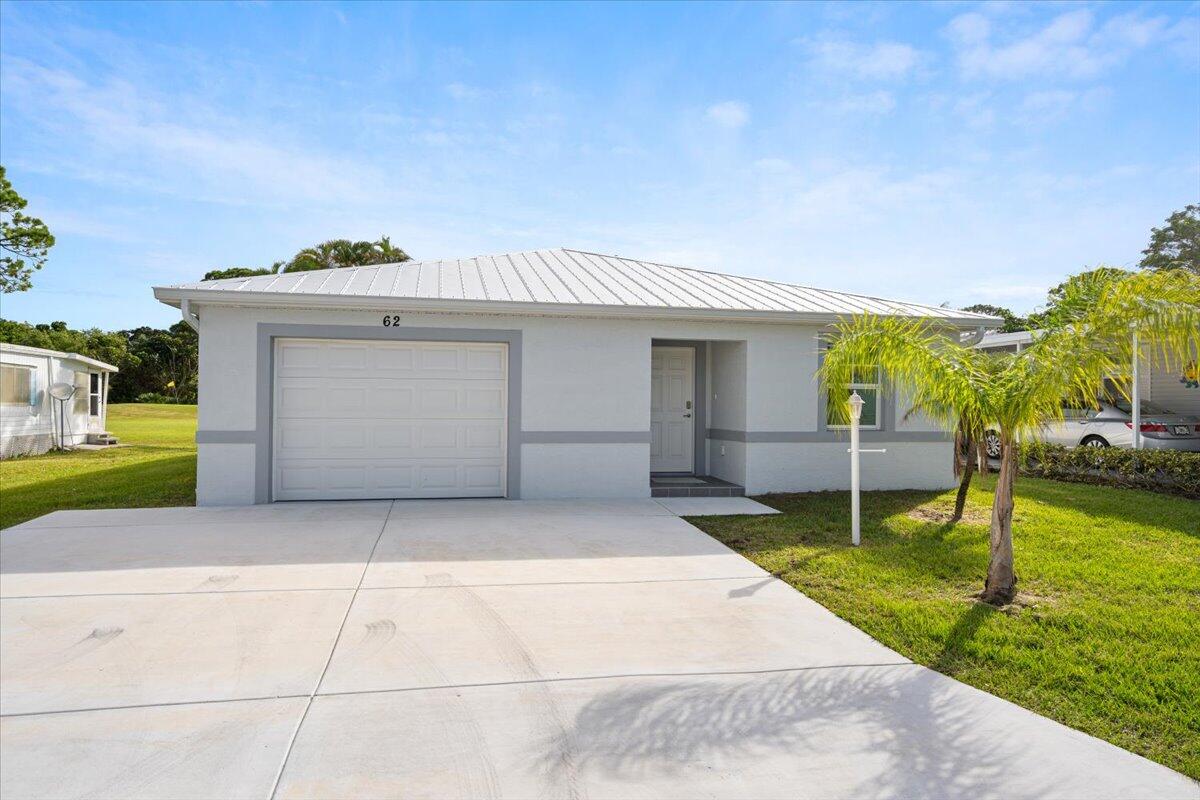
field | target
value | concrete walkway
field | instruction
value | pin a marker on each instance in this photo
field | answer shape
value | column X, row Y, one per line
column 475, row 649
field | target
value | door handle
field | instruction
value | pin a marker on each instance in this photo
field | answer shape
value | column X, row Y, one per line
column 687, row 415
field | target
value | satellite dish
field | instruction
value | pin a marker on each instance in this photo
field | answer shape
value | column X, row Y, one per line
column 62, row 393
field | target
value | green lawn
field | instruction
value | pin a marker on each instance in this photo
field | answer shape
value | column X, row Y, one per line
column 154, row 466
column 1105, row 636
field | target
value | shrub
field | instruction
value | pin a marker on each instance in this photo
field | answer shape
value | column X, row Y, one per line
column 155, row 397
column 1170, row 471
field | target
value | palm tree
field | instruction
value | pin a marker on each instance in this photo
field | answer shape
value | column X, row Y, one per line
column 1018, row 393
column 389, row 253
column 337, row 253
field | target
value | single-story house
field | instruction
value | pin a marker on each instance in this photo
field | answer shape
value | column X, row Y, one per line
column 542, row 374
column 29, row 417
column 1176, row 389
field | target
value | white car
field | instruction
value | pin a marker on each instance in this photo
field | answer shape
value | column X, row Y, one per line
column 1112, row 426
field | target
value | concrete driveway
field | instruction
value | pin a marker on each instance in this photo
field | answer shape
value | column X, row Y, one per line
column 475, row 649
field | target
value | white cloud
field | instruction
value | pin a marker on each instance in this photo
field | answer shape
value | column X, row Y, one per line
column 1070, row 45
column 1055, row 105
column 729, row 114
column 870, row 103
column 876, row 61
column 773, row 165
column 144, row 142
column 461, row 91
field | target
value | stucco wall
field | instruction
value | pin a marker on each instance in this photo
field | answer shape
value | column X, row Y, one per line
column 584, row 403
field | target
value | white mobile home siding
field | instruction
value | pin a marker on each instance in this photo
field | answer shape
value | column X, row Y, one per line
column 27, row 429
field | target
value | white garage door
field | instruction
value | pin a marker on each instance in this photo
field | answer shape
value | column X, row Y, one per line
column 365, row 419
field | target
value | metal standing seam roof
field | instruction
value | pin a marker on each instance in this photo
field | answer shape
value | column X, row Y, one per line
column 564, row 277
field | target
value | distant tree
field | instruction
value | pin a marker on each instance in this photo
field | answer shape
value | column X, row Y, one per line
column 333, row 254
column 337, row 253
column 150, row 360
column 25, row 240
column 389, row 253
column 239, row 272
column 1012, row 323
column 1176, row 245
column 160, row 362
column 1076, row 296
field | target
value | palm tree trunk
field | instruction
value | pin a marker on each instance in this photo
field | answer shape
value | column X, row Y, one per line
column 1001, row 585
column 964, row 483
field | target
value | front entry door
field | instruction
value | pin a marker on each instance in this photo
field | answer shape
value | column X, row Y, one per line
column 672, row 408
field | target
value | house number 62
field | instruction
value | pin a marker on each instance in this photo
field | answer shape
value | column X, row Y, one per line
column 390, row 320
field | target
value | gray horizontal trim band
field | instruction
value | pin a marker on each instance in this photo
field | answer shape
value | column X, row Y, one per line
column 226, row 437
column 779, row 437
column 585, row 437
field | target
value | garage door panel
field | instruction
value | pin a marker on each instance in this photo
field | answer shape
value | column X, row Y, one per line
column 389, row 479
column 378, row 398
column 391, row 401
column 369, row 360
column 389, row 419
column 359, row 439
column 483, row 362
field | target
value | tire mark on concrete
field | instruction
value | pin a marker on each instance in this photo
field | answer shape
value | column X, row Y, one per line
column 520, row 662
column 474, row 770
column 217, row 582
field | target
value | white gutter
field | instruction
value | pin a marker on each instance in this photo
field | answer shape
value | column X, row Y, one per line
column 191, row 319
column 179, row 297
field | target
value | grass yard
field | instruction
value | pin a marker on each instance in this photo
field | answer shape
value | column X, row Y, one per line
column 154, row 466
column 1104, row 637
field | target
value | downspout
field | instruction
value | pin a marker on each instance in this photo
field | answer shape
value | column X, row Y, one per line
column 973, row 339
column 188, row 316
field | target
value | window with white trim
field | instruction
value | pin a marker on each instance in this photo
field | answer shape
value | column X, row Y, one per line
column 16, row 385
column 94, row 395
column 868, row 383
column 80, row 398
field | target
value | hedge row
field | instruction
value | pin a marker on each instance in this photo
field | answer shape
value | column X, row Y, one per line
column 1170, row 471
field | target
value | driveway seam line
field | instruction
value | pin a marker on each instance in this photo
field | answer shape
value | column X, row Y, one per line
column 622, row 676
column 170, row 704
column 171, row 594
column 571, row 583
column 485, row 685
column 287, row 754
column 18, row 529
column 379, row 588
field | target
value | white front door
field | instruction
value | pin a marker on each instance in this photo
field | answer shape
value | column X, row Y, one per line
column 672, row 412
column 389, row 419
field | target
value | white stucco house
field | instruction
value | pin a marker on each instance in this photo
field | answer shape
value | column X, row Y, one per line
column 543, row 374
column 30, row 419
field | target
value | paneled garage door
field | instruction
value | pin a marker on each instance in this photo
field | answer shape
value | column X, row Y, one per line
column 367, row 419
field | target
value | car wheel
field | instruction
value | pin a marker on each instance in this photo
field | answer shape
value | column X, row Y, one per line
column 1095, row 441
column 991, row 444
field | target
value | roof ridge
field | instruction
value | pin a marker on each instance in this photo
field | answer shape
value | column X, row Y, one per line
column 760, row 280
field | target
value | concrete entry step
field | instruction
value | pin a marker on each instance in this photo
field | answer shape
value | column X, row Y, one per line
column 693, row 486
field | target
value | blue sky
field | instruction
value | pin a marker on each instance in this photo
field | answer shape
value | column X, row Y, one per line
column 947, row 152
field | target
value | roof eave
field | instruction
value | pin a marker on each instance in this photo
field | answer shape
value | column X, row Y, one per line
column 174, row 296
column 61, row 355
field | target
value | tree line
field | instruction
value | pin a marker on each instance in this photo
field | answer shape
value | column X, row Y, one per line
column 156, row 365
column 333, row 254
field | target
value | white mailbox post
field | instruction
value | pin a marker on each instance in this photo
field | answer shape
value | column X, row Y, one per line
column 856, row 407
